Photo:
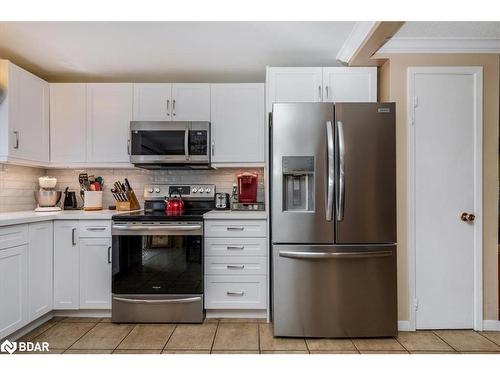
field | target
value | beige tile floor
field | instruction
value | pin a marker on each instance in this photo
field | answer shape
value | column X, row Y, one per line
column 232, row 336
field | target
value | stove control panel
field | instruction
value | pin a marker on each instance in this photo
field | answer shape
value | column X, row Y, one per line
column 195, row 191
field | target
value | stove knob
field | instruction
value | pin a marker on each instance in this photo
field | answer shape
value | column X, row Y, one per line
column 207, row 190
column 150, row 190
column 157, row 190
column 201, row 190
column 194, row 190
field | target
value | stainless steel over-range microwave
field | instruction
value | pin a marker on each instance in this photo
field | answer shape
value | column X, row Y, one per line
column 166, row 144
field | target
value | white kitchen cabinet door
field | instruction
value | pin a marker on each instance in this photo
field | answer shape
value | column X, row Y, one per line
column 40, row 257
column 152, row 101
column 109, row 112
column 95, row 273
column 238, row 123
column 66, row 265
column 28, row 116
column 343, row 85
column 13, row 289
column 295, row 85
column 190, row 102
column 68, row 112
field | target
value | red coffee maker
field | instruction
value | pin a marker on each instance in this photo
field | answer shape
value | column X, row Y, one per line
column 247, row 187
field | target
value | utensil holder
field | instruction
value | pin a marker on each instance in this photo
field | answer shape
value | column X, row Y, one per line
column 92, row 200
column 130, row 205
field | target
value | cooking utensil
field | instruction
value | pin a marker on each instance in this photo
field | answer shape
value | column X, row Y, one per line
column 47, row 198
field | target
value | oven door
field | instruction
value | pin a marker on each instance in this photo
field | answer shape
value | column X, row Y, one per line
column 161, row 142
column 157, row 272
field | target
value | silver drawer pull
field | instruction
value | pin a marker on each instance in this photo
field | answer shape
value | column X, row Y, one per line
column 235, row 267
column 241, row 247
column 235, row 293
column 235, row 228
column 96, row 228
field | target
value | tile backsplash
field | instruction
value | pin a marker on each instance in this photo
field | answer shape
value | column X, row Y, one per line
column 18, row 183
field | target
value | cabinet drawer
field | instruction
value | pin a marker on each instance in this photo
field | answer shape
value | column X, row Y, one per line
column 235, row 228
column 235, row 292
column 235, row 247
column 235, row 265
column 95, row 228
column 13, row 235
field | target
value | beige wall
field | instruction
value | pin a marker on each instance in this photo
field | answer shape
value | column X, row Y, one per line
column 393, row 78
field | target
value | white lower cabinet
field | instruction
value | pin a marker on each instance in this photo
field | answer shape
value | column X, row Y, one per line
column 95, row 273
column 40, row 258
column 235, row 265
column 13, row 288
column 66, row 265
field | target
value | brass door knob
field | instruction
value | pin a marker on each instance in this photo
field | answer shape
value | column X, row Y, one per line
column 467, row 217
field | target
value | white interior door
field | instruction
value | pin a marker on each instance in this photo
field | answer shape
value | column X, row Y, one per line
column 445, row 124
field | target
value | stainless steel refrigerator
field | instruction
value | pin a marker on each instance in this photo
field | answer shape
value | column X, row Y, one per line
column 333, row 219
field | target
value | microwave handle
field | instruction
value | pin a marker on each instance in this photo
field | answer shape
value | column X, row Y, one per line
column 186, row 143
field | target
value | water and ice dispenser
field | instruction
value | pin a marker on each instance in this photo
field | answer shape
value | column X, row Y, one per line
column 298, row 183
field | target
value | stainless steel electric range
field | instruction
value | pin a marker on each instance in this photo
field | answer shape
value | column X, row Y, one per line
column 157, row 258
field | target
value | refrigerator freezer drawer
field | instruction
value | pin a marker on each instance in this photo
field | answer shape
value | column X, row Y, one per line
column 334, row 291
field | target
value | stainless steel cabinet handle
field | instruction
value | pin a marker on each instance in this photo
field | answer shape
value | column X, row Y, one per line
column 186, row 143
column 128, row 146
column 168, row 107
column 173, row 107
column 235, row 293
column 156, row 227
column 235, row 247
column 235, row 267
column 327, row 93
column 16, row 146
column 154, row 301
column 73, row 236
column 235, row 228
column 109, row 254
column 213, row 147
column 319, row 92
column 96, row 229
column 341, row 172
column 330, row 175
column 316, row 255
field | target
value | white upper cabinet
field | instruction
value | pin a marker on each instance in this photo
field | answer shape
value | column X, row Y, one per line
column 24, row 116
column 152, row 101
column 334, row 84
column 171, row 102
column 350, row 84
column 109, row 112
column 68, row 112
column 40, row 257
column 190, row 102
column 238, row 123
column 95, row 273
column 295, row 84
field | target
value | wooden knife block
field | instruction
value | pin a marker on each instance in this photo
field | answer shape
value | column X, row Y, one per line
column 131, row 205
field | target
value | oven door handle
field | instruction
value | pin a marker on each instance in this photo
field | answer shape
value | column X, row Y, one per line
column 154, row 301
column 157, row 227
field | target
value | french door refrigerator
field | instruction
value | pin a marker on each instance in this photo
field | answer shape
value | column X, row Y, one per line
column 333, row 219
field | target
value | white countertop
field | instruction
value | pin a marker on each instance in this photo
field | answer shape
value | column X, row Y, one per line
column 24, row 217
column 235, row 215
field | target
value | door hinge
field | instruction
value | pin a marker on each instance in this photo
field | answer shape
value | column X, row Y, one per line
column 415, row 304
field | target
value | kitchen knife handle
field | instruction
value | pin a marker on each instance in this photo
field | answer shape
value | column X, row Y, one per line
column 341, row 172
column 330, row 175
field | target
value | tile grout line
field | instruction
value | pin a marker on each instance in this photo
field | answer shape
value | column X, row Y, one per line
column 446, row 342
column 168, row 338
column 42, row 332
column 487, row 338
column 74, row 342
column 399, row 342
column 215, row 335
column 127, row 335
column 258, row 336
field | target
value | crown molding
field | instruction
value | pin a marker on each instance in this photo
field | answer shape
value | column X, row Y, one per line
column 359, row 33
column 440, row 45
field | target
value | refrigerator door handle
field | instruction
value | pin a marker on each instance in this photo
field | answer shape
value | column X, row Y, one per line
column 330, row 174
column 337, row 255
column 341, row 173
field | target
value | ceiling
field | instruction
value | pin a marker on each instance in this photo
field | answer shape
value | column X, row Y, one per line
column 449, row 30
column 168, row 51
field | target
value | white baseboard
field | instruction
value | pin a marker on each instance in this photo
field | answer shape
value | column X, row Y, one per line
column 83, row 313
column 237, row 314
column 491, row 325
column 29, row 327
column 403, row 325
